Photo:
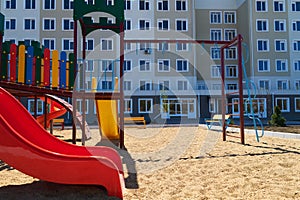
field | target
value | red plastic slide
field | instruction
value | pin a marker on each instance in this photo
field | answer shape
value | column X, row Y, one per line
column 56, row 110
column 26, row 146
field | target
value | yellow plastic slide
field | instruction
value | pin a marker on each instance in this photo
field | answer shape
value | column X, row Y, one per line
column 107, row 118
column 107, row 114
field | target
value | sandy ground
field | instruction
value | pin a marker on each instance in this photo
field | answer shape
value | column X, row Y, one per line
column 182, row 163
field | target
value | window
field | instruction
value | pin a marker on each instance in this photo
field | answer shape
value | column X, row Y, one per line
column 264, row 84
column 181, row 5
column 279, row 25
column 231, row 53
column 68, row 4
column 127, row 65
column 282, row 85
column 68, row 44
column 29, row 24
column 10, row 4
column 163, row 65
column 110, row 2
column 229, row 17
column 229, row 34
column 231, row 86
column 127, row 105
column 29, row 4
column 216, row 34
column 163, row 24
column 296, row 25
column 49, row 24
column 259, row 106
column 127, row 85
column 106, row 44
column 145, row 105
column 145, row 46
column 261, row 6
column 89, row 66
column 279, row 6
column 295, row 6
column 215, row 71
column 297, row 104
column 182, row 65
column 297, row 84
column 145, row 85
column 49, row 43
column 181, row 24
column 106, row 85
column 144, row 24
column 39, row 106
column 263, row 65
column 68, row 24
column 127, row 24
column 262, row 25
column 283, row 104
column 10, row 24
column 49, row 4
column 145, row 66
column 263, row 45
column 79, row 106
column 127, row 4
column 297, row 65
column 231, row 71
column 182, row 85
column 90, row 2
column 296, row 45
column 281, row 65
column 163, row 85
column 280, row 45
column 107, row 65
column 127, row 46
column 144, row 5
column 89, row 44
column 215, row 17
column 163, row 46
column 215, row 53
column 162, row 5
column 182, row 46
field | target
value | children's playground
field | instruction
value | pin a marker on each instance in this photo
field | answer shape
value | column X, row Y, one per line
column 112, row 161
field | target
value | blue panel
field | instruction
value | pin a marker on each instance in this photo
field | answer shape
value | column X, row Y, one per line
column 63, row 70
column 29, row 66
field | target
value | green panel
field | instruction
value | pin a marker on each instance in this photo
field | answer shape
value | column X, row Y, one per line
column 2, row 20
column 4, row 60
column 71, row 71
column 81, row 8
column 4, row 67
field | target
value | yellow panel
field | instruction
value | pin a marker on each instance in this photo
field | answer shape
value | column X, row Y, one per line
column 94, row 84
column 21, row 64
column 55, row 69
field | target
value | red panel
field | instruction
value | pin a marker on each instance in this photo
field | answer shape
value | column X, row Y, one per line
column 47, row 67
column 13, row 62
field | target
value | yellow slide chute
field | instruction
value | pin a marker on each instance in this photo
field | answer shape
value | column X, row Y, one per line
column 107, row 113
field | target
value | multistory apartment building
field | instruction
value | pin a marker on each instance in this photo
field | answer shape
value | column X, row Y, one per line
column 179, row 80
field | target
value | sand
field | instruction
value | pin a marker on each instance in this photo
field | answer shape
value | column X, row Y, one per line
column 182, row 163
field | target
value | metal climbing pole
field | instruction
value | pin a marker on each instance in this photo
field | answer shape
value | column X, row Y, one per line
column 235, row 42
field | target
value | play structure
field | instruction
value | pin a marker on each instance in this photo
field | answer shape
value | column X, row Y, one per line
column 25, row 142
column 242, row 104
column 35, row 71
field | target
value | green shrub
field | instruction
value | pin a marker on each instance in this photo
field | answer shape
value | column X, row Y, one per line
column 277, row 119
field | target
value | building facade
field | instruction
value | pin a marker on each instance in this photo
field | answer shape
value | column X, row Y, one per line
column 178, row 81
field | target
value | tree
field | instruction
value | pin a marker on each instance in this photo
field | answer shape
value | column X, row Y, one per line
column 277, row 119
